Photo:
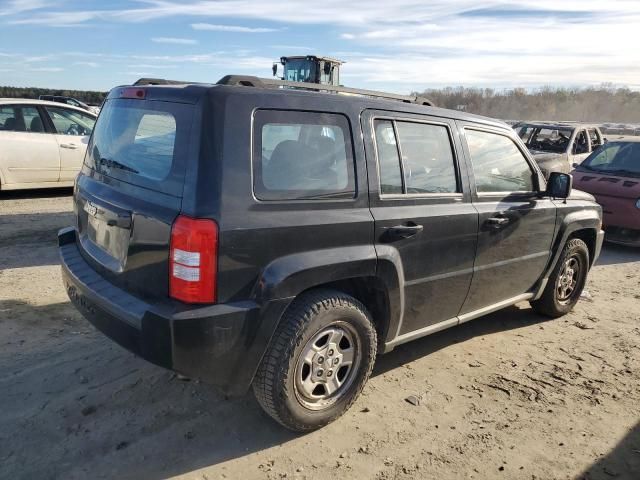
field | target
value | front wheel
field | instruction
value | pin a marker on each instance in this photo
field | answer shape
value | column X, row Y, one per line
column 318, row 361
column 566, row 282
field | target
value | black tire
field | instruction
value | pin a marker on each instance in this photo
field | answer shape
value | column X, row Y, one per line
column 309, row 316
column 553, row 302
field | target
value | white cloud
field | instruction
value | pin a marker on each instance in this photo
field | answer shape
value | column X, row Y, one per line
column 409, row 42
column 231, row 28
column 87, row 64
column 47, row 69
column 175, row 41
column 152, row 66
column 14, row 7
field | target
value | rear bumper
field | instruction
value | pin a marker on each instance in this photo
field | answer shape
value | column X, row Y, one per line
column 220, row 344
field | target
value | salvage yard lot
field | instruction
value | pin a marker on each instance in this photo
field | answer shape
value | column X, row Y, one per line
column 511, row 395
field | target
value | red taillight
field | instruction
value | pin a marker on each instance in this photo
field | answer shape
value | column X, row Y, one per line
column 132, row 92
column 193, row 260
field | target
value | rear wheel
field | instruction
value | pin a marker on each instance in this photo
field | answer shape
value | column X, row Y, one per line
column 318, row 362
column 566, row 282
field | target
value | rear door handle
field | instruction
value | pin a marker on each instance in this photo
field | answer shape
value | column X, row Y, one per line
column 404, row 231
column 497, row 221
column 70, row 146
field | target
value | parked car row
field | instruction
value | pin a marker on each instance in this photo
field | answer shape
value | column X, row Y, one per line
column 607, row 168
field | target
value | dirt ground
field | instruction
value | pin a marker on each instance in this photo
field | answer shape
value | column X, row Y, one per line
column 512, row 395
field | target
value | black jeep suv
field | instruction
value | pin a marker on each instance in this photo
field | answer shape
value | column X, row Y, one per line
column 278, row 238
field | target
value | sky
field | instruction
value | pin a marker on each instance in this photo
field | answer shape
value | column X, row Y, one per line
column 399, row 45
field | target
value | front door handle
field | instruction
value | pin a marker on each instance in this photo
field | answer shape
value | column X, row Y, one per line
column 497, row 221
column 404, row 231
column 70, row 146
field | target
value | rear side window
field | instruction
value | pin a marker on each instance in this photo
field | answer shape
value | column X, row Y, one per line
column 428, row 164
column 21, row 119
column 498, row 164
column 302, row 156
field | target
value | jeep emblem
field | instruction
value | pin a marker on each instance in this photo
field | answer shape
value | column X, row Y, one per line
column 91, row 209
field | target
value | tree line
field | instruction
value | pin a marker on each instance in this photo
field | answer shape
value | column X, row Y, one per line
column 88, row 97
column 595, row 104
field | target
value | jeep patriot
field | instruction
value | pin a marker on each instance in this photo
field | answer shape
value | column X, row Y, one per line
column 255, row 236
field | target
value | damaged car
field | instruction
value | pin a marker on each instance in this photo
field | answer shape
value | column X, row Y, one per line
column 559, row 146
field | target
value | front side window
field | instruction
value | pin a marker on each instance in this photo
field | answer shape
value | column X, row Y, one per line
column 71, row 122
column 302, row 156
column 21, row 119
column 581, row 144
column 428, row 164
column 498, row 164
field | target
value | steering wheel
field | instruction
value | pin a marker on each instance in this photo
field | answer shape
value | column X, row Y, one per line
column 75, row 129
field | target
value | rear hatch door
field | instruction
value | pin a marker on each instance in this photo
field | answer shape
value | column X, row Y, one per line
column 131, row 188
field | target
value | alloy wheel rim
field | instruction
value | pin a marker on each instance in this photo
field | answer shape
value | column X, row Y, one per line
column 568, row 280
column 327, row 366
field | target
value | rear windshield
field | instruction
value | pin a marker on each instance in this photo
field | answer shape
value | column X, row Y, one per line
column 138, row 142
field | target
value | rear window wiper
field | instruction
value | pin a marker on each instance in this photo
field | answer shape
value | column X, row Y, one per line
column 116, row 164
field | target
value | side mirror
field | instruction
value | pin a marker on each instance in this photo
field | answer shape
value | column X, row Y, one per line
column 575, row 165
column 559, row 185
column 275, row 69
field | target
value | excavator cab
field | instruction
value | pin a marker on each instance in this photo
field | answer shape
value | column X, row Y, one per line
column 310, row 69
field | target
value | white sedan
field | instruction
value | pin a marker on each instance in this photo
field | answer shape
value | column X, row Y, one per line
column 42, row 144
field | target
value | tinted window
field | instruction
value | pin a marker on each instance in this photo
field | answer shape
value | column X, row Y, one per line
column 427, row 158
column 302, row 155
column 70, row 122
column 388, row 158
column 21, row 119
column 498, row 164
column 138, row 138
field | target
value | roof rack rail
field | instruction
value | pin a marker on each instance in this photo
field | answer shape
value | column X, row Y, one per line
column 250, row 81
column 158, row 81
